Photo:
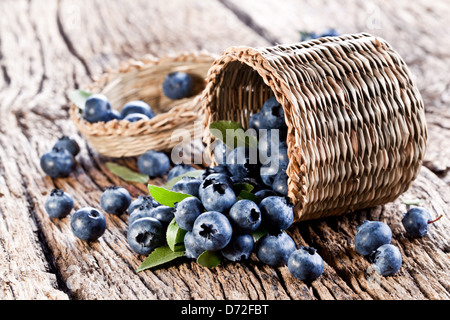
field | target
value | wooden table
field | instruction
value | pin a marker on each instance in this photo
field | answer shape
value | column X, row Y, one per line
column 49, row 47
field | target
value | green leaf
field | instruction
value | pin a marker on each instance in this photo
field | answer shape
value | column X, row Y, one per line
column 159, row 256
column 171, row 182
column 166, row 197
column 241, row 186
column 411, row 202
column 175, row 236
column 209, row 259
column 259, row 233
column 232, row 134
column 79, row 97
column 244, row 194
column 126, row 173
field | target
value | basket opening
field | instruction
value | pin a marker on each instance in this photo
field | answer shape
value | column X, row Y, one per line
column 241, row 92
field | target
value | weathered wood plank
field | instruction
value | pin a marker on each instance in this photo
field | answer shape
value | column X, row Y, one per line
column 63, row 45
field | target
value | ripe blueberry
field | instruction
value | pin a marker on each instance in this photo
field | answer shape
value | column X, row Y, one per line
column 245, row 216
column 177, row 85
column 218, row 197
column 264, row 193
column 187, row 211
column 97, row 108
column 276, row 213
column 305, row 264
column 387, row 260
column 212, row 179
column 371, row 235
column 275, row 249
column 239, row 248
column 137, row 106
column 153, row 163
column 135, row 117
column 140, row 200
column 280, row 183
column 88, row 224
column 69, row 144
column 243, row 162
column 145, row 234
column 193, row 251
column 189, row 185
column 57, row 162
column 59, row 204
column 115, row 200
column 163, row 214
column 272, row 115
column 416, row 221
column 178, row 170
column 212, row 231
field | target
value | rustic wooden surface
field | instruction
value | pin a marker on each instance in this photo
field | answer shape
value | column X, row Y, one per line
column 49, row 47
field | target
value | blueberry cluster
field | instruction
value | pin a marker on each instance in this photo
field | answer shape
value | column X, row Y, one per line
column 373, row 240
column 217, row 220
column 60, row 160
column 97, row 108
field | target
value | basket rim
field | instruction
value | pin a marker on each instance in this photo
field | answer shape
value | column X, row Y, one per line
column 190, row 108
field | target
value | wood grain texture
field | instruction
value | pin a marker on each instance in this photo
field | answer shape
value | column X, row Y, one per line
column 46, row 50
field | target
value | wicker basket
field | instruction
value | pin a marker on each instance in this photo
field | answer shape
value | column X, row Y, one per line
column 142, row 80
column 356, row 125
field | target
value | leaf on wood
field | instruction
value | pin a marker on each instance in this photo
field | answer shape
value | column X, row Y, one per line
column 166, row 197
column 232, row 134
column 159, row 256
column 171, row 182
column 126, row 173
column 175, row 236
column 79, row 97
column 209, row 259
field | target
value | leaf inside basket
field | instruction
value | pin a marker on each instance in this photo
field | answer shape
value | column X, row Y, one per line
column 79, row 97
column 232, row 134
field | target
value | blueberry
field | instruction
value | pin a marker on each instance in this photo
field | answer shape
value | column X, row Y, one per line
column 189, row 185
column 153, row 163
column 212, row 231
column 137, row 106
column 272, row 147
column 178, row 170
column 275, row 249
column 88, row 224
column 97, row 108
column 218, row 197
column 193, row 251
column 59, row 204
column 212, row 179
column 140, row 201
column 272, row 115
column 214, row 170
column 280, row 183
column 142, row 211
column 268, row 174
column 57, row 162
column 239, row 248
column 276, row 213
column 329, row 33
column 135, row 117
column 305, row 264
column 416, row 221
column 114, row 114
column 371, row 235
column 177, row 85
column 187, row 211
column 387, row 260
column 254, row 121
column 163, row 214
column 243, row 162
column 69, row 144
column 245, row 216
column 264, row 193
column 115, row 200
column 221, row 152
column 145, row 234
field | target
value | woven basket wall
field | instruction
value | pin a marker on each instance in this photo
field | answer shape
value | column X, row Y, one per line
column 142, row 80
column 356, row 125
